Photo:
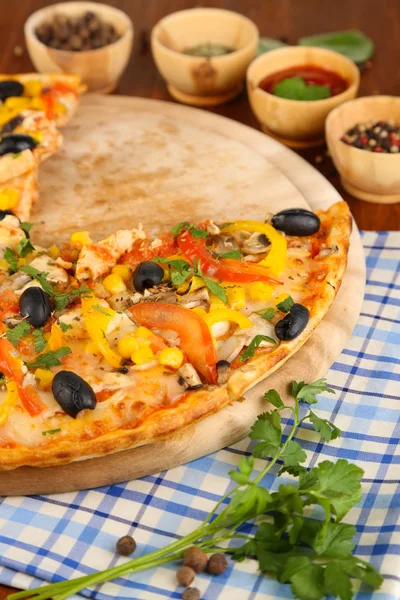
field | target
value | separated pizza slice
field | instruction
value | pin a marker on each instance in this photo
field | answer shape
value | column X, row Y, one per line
column 18, row 185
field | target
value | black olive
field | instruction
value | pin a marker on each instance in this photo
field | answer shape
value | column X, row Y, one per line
column 12, row 124
column 73, row 393
column 35, row 304
column 15, row 143
column 10, row 88
column 4, row 213
column 296, row 221
column 147, row 274
column 293, row 324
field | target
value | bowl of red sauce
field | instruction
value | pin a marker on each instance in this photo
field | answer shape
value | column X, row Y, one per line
column 292, row 90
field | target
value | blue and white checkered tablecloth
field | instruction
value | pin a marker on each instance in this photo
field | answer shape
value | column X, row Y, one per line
column 45, row 538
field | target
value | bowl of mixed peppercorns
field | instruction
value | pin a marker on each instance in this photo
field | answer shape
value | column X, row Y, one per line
column 363, row 138
column 90, row 39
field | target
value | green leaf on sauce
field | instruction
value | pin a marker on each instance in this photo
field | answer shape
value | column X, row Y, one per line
column 295, row 88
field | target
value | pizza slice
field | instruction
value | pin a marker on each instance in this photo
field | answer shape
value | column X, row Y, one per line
column 110, row 345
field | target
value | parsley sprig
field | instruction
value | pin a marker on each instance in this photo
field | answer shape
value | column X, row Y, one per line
column 186, row 226
column 313, row 556
column 49, row 359
column 61, row 300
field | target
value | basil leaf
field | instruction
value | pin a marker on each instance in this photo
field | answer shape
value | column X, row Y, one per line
column 352, row 43
column 254, row 344
column 295, row 88
column 285, row 305
column 265, row 44
column 18, row 332
column 235, row 254
column 25, row 226
column 215, row 289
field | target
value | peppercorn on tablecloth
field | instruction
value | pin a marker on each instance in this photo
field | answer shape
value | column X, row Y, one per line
column 48, row 538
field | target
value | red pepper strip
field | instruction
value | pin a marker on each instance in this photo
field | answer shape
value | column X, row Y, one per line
column 50, row 103
column 10, row 366
column 224, row 269
column 194, row 335
column 63, row 88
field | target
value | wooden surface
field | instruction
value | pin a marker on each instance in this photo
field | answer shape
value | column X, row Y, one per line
column 185, row 164
column 289, row 19
column 284, row 18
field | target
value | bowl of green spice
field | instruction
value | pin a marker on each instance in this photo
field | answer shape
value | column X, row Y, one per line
column 293, row 89
column 203, row 54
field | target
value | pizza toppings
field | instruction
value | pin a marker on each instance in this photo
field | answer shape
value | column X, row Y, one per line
column 293, row 324
column 147, row 274
column 15, row 143
column 10, row 88
column 296, row 221
column 72, row 393
column 35, row 306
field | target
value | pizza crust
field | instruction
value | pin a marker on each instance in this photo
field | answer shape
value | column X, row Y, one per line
column 199, row 404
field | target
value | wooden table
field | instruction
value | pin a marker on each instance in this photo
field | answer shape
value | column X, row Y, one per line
column 285, row 19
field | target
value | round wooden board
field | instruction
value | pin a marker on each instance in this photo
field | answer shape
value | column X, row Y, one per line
column 129, row 160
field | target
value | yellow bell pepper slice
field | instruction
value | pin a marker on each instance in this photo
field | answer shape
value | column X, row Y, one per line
column 56, row 339
column 276, row 259
column 9, row 401
column 96, row 323
column 225, row 314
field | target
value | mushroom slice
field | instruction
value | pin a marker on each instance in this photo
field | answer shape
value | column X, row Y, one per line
column 224, row 243
column 257, row 243
column 328, row 251
column 194, row 299
column 223, row 367
column 189, row 377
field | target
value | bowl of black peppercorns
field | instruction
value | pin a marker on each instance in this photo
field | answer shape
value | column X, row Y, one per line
column 90, row 39
column 363, row 138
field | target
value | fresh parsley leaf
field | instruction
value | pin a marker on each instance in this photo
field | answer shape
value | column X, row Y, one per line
column 51, row 431
column 101, row 310
column 307, row 392
column 254, row 344
column 39, row 277
column 49, row 359
column 213, row 286
column 245, row 467
column 235, row 254
column 198, row 233
column 269, row 314
column 268, row 431
column 177, row 264
column 64, row 326
column 179, row 277
column 293, row 454
column 25, row 226
column 295, row 88
column 337, row 581
column 12, row 259
column 178, row 228
column 328, row 430
column 25, row 247
column 273, row 398
column 61, row 301
column 285, row 305
column 186, row 226
column 307, row 583
column 18, row 332
column 40, row 343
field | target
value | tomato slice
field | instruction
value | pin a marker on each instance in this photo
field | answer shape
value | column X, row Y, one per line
column 63, row 88
column 194, row 335
column 224, row 269
column 10, row 365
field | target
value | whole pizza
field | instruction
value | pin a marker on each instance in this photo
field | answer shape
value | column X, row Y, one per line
column 107, row 345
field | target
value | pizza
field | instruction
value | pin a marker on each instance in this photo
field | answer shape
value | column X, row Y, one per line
column 33, row 107
column 122, row 342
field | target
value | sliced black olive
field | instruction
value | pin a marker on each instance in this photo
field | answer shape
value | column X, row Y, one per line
column 293, row 324
column 296, row 221
column 35, row 304
column 147, row 275
column 73, row 393
column 9, row 88
column 4, row 213
column 12, row 124
column 15, row 143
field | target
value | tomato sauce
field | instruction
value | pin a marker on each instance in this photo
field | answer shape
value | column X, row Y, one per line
column 311, row 74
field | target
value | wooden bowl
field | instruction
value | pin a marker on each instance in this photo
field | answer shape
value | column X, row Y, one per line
column 99, row 69
column 197, row 80
column 298, row 124
column 370, row 176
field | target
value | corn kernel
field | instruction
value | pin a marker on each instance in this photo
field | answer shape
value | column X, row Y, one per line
column 260, row 291
column 142, row 355
column 123, row 271
column 142, row 332
column 280, row 298
column 80, row 238
column 9, row 198
column 32, row 88
column 236, row 297
column 127, row 345
column 53, row 251
column 114, row 284
column 45, row 377
column 17, row 102
column 171, row 357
